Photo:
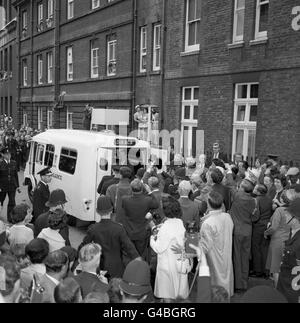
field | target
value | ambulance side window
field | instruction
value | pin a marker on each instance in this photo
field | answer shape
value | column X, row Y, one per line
column 68, row 160
column 39, row 154
column 49, row 155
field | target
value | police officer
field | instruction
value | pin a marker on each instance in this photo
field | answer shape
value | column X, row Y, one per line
column 9, row 181
column 42, row 193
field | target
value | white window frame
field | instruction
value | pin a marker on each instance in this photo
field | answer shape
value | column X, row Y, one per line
column 260, row 35
column 25, row 119
column 40, row 13
column 50, row 67
column 94, row 61
column 113, row 59
column 195, row 47
column 49, row 119
column 156, row 47
column 95, row 4
column 191, row 123
column 70, row 64
column 143, row 48
column 50, row 9
column 69, row 123
column 245, row 125
column 24, row 20
column 25, row 73
column 238, row 38
column 40, row 118
column 40, row 69
column 70, row 9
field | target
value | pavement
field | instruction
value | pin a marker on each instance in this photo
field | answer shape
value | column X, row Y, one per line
column 77, row 235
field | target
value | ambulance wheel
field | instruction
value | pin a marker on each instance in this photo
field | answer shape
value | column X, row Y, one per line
column 30, row 192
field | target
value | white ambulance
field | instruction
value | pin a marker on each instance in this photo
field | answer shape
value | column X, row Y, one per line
column 78, row 161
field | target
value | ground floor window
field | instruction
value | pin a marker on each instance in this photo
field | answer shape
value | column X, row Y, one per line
column 245, row 120
column 50, row 119
column 69, row 120
column 40, row 118
column 25, row 120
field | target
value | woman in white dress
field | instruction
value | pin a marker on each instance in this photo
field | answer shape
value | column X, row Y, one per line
column 169, row 283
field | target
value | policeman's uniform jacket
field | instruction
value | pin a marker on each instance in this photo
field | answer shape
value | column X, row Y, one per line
column 9, row 180
column 40, row 196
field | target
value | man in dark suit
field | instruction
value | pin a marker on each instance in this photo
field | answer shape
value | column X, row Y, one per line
column 135, row 211
column 102, row 189
column 88, row 279
column 112, row 238
column 217, row 154
column 41, row 194
column 9, row 181
column 217, row 178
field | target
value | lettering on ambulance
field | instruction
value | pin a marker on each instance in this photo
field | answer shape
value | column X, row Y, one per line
column 296, row 280
column 59, row 177
column 296, row 20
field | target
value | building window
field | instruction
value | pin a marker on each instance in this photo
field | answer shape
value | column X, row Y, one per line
column 143, row 50
column 25, row 120
column 40, row 69
column 70, row 64
column 95, row 4
column 111, row 58
column 67, row 161
column 238, row 23
column 262, row 18
column 156, row 47
column 245, row 119
column 70, row 9
column 94, row 61
column 40, row 119
column 40, row 17
column 50, row 13
column 192, row 27
column 24, row 23
column 25, row 73
column 69, row 120
column 189, row 120
column 49, row 119
column 49, row 67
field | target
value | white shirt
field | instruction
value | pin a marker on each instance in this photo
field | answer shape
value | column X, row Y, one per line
column 55, row 281
column 20, row 234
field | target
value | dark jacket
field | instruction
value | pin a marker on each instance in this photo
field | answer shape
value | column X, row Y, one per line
column 104, row 180
column 114, row 242
column 289, row 274
column 190, row 212
column 241, row 213
column 135, row 210
column 264, row 206
column 225, row 192
column 90, row 283
column 108, row 183
column 40, row 196
column 9, row 180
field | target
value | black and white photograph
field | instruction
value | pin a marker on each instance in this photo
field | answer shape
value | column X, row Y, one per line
column 149, row 154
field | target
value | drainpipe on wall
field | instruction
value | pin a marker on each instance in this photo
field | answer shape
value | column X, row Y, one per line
column 19, row 67
column 163, row 60
column 134, row 52
column 57, row 62
column 32, row 62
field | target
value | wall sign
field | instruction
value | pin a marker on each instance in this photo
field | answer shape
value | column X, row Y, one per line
column 296, row 20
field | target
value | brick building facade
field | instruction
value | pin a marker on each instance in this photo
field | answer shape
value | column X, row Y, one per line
column 231, row 68
column 8, row 66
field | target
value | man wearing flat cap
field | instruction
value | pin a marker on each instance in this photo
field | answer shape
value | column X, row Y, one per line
column 9, row 181
column 42, row 193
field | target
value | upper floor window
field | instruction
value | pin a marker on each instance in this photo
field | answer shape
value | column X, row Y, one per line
column 24, row 21
column 238, row 23
column 50, row 67
column 40, row 69
column 50, row 12
column 156, row 47
column 95, row 4
column 40, row 13
column 94, row 60
column 262, row 18
column 143, row 50
column 25, row 73
column 70, row 9
column 192, row 28
column 70, row 64
column 111, row 58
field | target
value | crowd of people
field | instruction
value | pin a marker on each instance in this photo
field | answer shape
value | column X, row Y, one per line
column 158, row 235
